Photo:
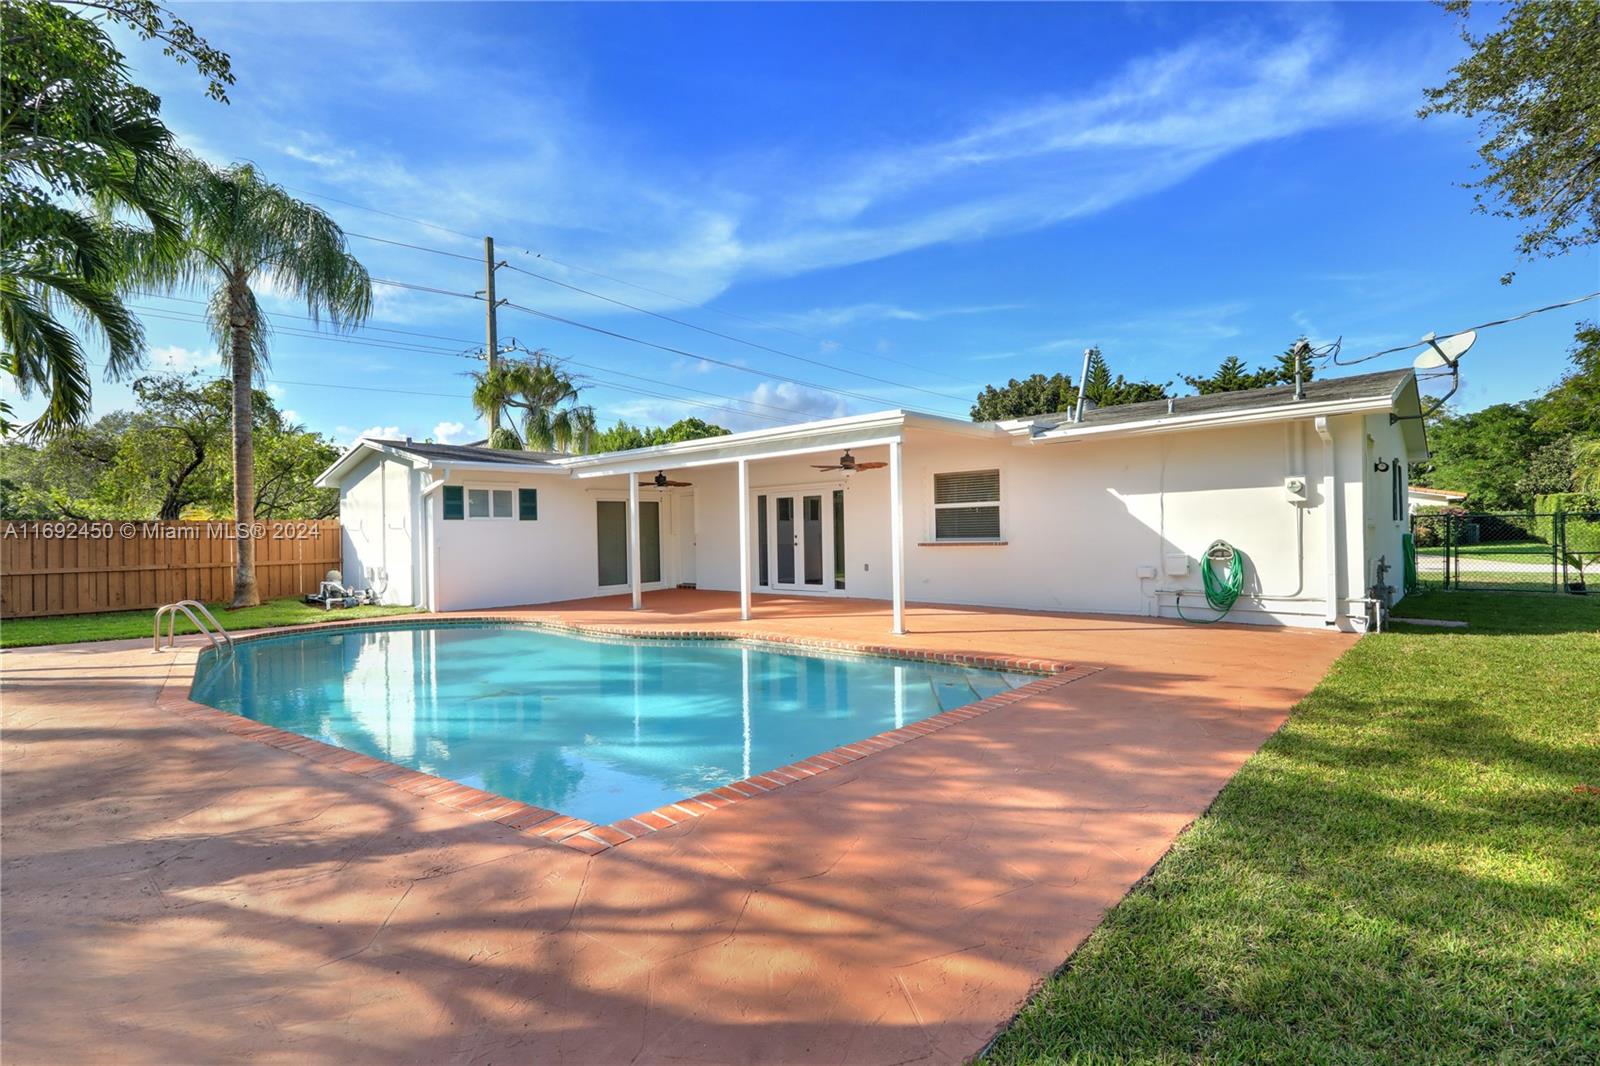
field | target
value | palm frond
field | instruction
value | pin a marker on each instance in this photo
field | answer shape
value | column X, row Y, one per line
column 42, row 354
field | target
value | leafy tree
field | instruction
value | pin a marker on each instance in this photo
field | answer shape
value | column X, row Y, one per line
column 1234, row 376
column 82, row 146
column 169, row 459
column 1040, row 395
column 241, row 231
column 1573, row 404
column 688, row 429
column 621, row 437
column 288, row 460
column 1101, row 389
column 536, row 402
column 1551, row 469
column 172, row 448
column 61, row 476
column 1586, row 460
column 1033, row 395
column 1533, row 84
column 1484, row 454
column 625, row 437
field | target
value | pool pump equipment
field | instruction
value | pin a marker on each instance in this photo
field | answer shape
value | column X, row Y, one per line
column 1222, row 572
column 333, row 592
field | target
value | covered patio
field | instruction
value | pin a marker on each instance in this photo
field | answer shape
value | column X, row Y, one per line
column 802, row 513
column 174, row 892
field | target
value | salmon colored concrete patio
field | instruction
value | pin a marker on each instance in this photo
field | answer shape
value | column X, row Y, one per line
column 172, row 892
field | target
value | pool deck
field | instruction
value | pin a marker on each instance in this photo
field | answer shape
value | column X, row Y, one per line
column 176, row 892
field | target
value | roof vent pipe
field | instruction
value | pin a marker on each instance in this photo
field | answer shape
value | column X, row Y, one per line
column 1170, row 402
column 1088, row 353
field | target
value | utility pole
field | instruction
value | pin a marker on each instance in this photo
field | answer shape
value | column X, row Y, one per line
column 492, row 338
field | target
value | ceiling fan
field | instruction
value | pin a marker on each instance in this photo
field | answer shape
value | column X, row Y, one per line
column 847, row 463
column 661, row 481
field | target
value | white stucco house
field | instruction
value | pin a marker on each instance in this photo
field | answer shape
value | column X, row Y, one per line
column 1418, row 496
column 1109, row 514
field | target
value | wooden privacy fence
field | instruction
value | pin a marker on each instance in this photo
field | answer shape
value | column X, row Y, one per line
column 57, row 568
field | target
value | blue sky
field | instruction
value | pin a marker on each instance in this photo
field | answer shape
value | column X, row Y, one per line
column 935, row 196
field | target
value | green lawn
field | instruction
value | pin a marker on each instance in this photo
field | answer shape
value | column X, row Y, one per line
column 1520, row 549
column 1404, row 873
column 118, row 625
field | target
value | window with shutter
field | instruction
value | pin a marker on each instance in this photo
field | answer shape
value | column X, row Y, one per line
column 966, row 505
column 527, row 505
column 454, row 502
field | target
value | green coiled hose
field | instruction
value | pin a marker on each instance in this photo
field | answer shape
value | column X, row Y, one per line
column 1222, row 591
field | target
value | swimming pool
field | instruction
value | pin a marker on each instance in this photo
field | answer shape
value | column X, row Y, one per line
column 595, row 728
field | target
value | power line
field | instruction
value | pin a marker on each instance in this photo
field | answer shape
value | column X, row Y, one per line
column 307, row 318
column 685, row 301
column 424, row 288
column 1470, row 329
column 692, row 355
column 416, row 247
column 172, row 315
column 175, row 315
column 380, row 211
column 945, row 396
column 737, row 340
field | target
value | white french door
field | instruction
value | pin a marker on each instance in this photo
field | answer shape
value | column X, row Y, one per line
column 802, row 552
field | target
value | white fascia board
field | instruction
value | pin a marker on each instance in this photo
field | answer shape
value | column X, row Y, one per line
column 855, row 430
column 329, row 478
column 1179, row 423
column 772, row 451
column 501, row 468
column 754, row 436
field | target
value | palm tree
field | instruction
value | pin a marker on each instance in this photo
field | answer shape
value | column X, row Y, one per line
column 75, row 135
column 540, row 396
column 242, row 231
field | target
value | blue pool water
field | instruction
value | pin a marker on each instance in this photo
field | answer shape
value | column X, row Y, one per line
column 594, row 728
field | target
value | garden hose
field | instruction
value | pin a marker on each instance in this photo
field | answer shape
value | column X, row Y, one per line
column 1222, row 592
column 1408, row 545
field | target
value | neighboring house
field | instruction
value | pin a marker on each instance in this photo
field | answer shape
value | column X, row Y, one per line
column 1111, row 514
column 1417, row 496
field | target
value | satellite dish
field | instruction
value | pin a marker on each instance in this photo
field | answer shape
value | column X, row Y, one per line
column 1445, row 352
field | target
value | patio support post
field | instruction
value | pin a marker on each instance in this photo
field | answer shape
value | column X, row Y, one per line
column 744, row 540
column 897, row 536
column 633, row 542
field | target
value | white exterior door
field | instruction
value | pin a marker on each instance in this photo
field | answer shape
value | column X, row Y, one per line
column 683, row 526
column 800, row 532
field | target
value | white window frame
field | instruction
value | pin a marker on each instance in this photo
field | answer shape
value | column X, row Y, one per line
column 999, row 504
column 466, row 503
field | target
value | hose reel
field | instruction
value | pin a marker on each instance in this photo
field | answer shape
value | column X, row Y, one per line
column 1222, row 589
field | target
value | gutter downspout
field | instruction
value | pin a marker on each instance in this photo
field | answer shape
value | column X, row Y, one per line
column 1330, row 501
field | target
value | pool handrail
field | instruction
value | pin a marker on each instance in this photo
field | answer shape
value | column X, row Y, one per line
column 188, row 607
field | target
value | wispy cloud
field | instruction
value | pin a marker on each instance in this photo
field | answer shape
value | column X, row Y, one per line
column 825, row 318
column 563, row 183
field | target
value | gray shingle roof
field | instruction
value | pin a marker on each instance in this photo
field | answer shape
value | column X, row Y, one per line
column 469, row 453
column 1359, row 386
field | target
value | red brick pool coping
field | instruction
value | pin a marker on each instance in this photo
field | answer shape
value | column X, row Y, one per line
column 578, row 833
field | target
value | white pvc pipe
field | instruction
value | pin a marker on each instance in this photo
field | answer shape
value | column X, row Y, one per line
column 1330, row 503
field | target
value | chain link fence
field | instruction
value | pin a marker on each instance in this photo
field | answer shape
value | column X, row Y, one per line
column 1507, row 550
